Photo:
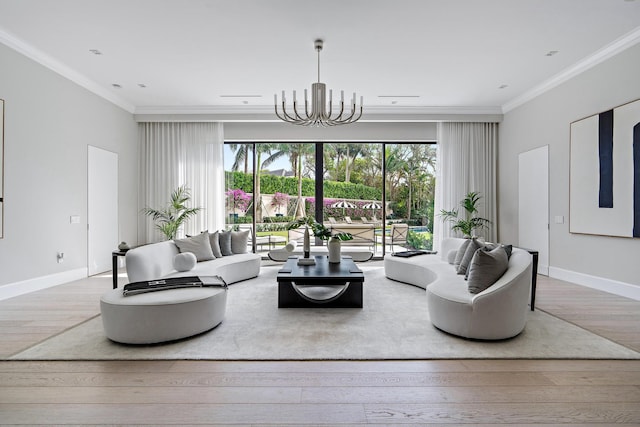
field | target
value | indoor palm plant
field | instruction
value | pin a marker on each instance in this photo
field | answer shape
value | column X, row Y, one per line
column 468, row 223
column 170, row 218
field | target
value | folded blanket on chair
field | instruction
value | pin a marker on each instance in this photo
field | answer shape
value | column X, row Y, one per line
column 407, row 254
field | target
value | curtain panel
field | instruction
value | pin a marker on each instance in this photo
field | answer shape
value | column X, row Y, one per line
column 467, row 158
column 175, row 154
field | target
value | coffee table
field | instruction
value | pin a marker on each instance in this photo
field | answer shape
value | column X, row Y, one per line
column 320, row 285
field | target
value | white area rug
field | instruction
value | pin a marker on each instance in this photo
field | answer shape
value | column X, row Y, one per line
column 394, row 324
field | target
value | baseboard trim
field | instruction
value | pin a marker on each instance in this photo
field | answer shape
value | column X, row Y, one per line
column 31, row 285
column 543, row 269
column 607, row 285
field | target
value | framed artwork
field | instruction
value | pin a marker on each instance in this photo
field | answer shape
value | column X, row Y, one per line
column 604, row 186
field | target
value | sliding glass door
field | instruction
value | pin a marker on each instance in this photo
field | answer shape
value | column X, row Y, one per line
column 339, row 184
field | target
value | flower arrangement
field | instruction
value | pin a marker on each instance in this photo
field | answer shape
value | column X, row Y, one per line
column 237, row 200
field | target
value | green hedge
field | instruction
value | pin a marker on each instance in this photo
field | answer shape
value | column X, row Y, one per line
column 270, row 184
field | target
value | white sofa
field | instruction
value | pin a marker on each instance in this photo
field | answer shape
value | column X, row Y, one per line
column 498, row 312
column 175, row 313
column 155, row 261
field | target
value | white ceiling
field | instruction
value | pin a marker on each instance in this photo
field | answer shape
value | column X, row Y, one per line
column 428, row 54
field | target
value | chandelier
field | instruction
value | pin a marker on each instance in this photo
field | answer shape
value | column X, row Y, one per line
column 318, row 116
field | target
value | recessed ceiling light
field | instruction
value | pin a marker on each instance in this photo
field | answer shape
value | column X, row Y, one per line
column 503, row 86
column 245, row 102
column 551, row 53
column 398, row 96
column 95, row 51
column 240, row 96
column 142, row 85
column 394, row 102
column 116, row 85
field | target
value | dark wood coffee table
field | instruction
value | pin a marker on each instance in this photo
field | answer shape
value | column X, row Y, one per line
column 320, row 285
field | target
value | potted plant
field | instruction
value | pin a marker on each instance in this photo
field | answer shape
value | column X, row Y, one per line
column 322, row 232
column 279, row 200
column 169, row 219
column 469, row 222
column 237, row 199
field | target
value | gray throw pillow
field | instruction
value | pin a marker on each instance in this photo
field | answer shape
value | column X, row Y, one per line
column 472, row 247
column 215, row 244
column 507, row 248
column 486, row 268
column 239, row 240
column 461, row 250
column 224, row 238
column 198, row 245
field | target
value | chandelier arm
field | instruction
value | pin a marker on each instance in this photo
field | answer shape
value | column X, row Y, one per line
column 290, row 118
column 283, row 117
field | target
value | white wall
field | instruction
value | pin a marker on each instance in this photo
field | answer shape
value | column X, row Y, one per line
column 588, row 259
column 49, row 122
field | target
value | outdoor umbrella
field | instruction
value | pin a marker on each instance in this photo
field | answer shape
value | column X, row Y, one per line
column 372, row 205
column 344, row 205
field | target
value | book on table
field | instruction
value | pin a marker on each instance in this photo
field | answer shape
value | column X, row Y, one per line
column 172, row 283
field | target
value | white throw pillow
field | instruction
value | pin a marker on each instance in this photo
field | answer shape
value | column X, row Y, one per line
column 184, row 261
column 291, row 246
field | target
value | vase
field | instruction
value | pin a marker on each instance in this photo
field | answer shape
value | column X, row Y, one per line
column 123, row 246
column 334, row 250
column 306, row 246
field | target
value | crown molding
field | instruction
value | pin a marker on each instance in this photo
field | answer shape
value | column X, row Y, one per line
column 265, row 113
column 42, row 58
column 621, row 44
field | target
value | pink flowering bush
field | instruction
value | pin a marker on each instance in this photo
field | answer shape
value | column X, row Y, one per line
column 279, row 200
column 237, row 200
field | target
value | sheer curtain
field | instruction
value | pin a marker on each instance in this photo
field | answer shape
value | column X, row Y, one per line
column 175, row 154
column 466, row 162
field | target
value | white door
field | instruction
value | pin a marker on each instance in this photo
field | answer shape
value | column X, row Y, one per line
column 533, row 204
column 102, row 211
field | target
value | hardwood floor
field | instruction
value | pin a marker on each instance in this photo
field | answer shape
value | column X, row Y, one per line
column 448, row 392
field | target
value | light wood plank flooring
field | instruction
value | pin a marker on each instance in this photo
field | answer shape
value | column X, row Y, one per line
column 449, row 392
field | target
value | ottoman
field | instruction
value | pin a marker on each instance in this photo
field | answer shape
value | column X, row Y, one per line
column 160, row 316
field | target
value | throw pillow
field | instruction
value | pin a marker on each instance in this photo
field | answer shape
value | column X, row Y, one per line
column 199, row 245
column 507, row 248
column 214, row 239
column 239, row 241
column 486, row 268
column 224, row 238
column 291, row 246
column 184, row 261
column 451, row 256
column 461, row 250
column 472, row 247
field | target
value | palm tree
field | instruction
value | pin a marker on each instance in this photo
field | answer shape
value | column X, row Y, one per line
column 274, row 153
column 242, row 156
column 299, row 152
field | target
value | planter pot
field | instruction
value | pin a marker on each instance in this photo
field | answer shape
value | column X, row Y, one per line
column 334, row 247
